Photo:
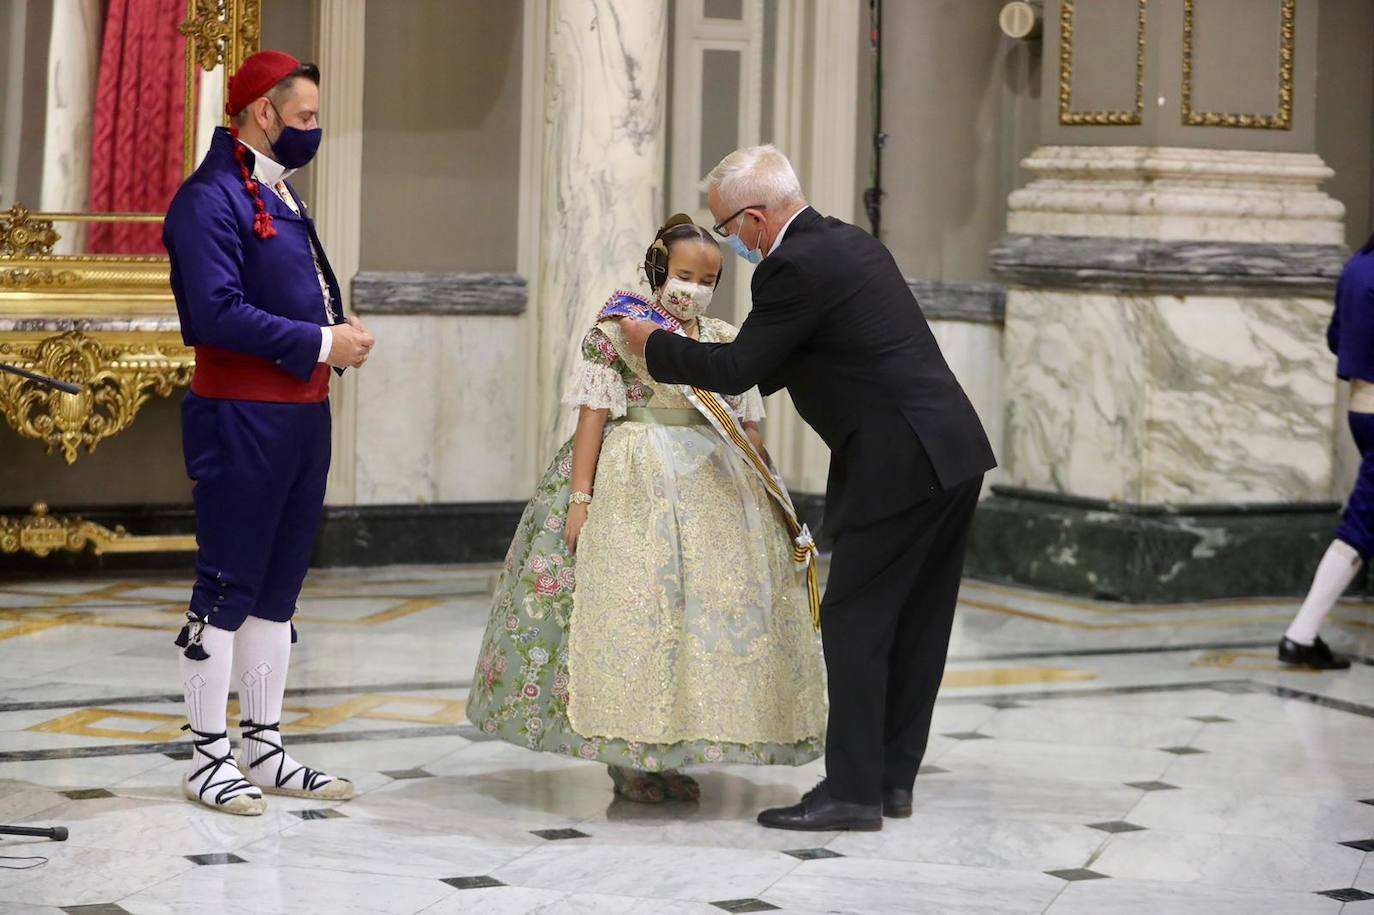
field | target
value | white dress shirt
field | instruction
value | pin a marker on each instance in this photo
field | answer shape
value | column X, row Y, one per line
column 273, row 174
column 777, row 241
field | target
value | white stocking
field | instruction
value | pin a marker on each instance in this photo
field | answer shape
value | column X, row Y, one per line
column 215, row 779
column 1334, row 574
column 262, row 654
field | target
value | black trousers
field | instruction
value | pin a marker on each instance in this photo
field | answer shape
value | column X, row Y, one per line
column 885, row 624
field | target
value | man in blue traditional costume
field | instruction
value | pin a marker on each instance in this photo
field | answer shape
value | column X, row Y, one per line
column 260, row 304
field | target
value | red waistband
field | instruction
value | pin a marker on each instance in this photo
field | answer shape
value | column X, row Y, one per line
column 224, row 375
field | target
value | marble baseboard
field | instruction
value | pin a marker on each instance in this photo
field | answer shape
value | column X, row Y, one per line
column 1147, row 553
column 385, row 292
column 984, row 303
column 361, row 535
column 1168, row 267
column 373, row 535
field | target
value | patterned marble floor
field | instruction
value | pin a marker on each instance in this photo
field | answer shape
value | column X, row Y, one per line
column 1087, row 758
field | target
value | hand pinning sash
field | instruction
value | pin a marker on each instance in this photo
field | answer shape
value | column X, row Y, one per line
column 727, row 424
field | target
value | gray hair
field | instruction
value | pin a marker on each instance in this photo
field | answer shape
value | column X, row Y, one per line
column 755, row 176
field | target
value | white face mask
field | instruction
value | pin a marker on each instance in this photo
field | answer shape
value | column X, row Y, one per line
column 685, row 301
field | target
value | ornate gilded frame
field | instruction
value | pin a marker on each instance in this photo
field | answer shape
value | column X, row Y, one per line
column 33, row 279
column 1283, row 118
column 1120, row 118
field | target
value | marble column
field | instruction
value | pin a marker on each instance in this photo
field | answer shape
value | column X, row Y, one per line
column 338, row 203
column 602, row 181
column 73, row 58
column 1171, row 405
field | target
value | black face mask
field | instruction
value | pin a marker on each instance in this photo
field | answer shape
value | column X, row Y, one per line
column 294, row 148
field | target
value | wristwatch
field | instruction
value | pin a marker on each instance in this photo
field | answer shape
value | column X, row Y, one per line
column 580, row 498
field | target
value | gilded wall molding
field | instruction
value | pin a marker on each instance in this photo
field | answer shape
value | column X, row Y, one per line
column 1104, row 118
column 41, row 533
column 1283, row 118
column 118, row 372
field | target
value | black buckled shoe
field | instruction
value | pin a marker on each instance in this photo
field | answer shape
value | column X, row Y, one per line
column 819, row 812
column 896, row 803
column 1317, row 656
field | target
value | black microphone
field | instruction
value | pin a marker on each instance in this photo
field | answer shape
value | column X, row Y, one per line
column 64, row 386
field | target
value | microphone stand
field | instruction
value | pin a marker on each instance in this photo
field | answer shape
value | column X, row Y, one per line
column 65, row 386
column 56, row 833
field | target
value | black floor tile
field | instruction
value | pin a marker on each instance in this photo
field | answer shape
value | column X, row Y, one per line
column 1116, row 826
column 471, row 883
column 1152, row 786
column 813, row 854
column 1349, row 894
column 1361, row 845
column 218, row 857
column 554, row 835
column 87, row 794
column 1076, row 874
column 745, row 905
column 400, row 774
column 967, row 735
column 319, row 814
column 1183, row 751
column 1211, row 719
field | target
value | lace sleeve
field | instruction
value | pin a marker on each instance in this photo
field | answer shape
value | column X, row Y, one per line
column 748, row 405
column 597, row 382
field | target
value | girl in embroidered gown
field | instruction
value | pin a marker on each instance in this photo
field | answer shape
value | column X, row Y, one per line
column 685, row 635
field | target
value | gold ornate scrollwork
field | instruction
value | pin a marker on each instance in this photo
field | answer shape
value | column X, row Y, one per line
column 1067, row 116
column 40, row 533
column 21, row 235
column 117, row 379
column 30, row 278
column 209, row 27
column 1281, row 119
column 222, row 33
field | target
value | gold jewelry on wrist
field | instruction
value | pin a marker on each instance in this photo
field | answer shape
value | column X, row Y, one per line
column 580, row 498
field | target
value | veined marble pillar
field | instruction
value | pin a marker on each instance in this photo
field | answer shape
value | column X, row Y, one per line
column 338, row 192
column 602, row 197
column 73, row 57
column 1171, row 404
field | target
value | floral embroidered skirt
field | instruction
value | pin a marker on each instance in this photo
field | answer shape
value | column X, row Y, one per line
column 696, row 643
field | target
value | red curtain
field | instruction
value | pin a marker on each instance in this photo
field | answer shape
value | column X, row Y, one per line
column 137, row 148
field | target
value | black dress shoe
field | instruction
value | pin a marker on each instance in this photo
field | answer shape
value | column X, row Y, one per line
column 896, row 803
column 819, row 812
column 1317, row 656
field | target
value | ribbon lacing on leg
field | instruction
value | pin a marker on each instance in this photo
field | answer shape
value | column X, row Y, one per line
column 311, row 779
column 228, row 788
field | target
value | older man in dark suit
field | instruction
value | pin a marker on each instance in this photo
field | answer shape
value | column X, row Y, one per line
column 834, row 322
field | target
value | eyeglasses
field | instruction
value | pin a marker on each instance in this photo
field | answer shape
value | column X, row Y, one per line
column 719, row 228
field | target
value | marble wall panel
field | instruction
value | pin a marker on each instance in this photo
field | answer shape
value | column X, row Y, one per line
column 973, row 350
column 436, row 410
column 1241, row 400
column 1076, row 384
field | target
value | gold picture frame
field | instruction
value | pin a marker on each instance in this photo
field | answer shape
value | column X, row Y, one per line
column 1280, row 120
column 1102, row 118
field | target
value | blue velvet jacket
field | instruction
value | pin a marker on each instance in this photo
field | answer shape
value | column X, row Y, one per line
column 1351, row 332
column 234, row 290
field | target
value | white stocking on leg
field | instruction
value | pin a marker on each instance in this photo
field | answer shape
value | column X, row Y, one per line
column 262, row 653
column 215, row 780
column 1334, row 574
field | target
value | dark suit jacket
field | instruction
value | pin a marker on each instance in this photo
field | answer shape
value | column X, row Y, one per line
column 834, row 322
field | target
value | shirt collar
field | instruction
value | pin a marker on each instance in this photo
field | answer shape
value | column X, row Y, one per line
column 267, row 170
column 777, row 241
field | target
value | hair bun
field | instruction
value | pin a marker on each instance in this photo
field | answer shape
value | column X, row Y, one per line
column 677, row 219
